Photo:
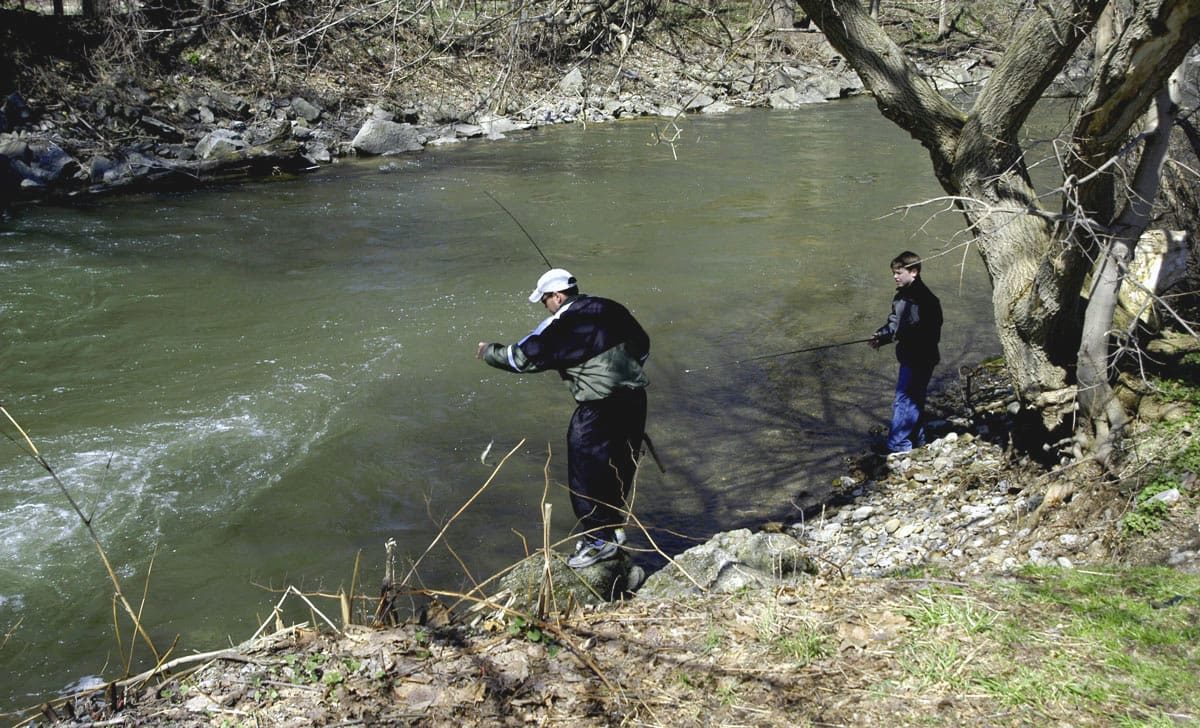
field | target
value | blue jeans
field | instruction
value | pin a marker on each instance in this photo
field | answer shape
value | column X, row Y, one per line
column 908, row 408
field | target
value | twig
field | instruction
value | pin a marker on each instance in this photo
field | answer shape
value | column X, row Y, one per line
column 459, row 512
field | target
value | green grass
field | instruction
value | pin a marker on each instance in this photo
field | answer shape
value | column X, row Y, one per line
column 1119, row 647
column 805, row 645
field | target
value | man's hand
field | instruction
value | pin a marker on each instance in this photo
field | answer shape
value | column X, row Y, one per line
column 873, row 343
column 479, row 351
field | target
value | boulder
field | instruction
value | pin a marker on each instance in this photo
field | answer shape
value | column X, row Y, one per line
column 378, row 136
column 220, row 142
column 38, row 164
column 1160, row 262
column 731, row 561
column 495, row 127
column 599, row 583
column 790, row 98
column 572, row 83
column 305, row 110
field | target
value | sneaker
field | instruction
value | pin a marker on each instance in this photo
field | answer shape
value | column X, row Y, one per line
column 589, row 550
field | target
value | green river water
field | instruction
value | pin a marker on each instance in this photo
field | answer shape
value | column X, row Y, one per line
column 246, row 387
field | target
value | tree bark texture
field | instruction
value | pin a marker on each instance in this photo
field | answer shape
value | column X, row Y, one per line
column 1034, row 256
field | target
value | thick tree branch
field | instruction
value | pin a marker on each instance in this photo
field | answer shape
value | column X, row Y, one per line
column 1038, row 53
column 1153, row 45
column 903, row 95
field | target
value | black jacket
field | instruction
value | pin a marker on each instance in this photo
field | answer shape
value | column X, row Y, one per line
column 595, row 344
column 915, row 324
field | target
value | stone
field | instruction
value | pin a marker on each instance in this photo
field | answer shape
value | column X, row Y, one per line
column 595, row 584
column 305, row 110
column 862, row 513
column 381, row 137
column 907, row 530
column 220, row 142
column 731, row 561
column 1170, row 496
column 572, row 83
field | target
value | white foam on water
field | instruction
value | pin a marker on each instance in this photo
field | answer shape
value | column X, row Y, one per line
column 131, row 480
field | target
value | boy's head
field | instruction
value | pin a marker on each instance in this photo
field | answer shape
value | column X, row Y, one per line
column 906, row 268
column 909, row 260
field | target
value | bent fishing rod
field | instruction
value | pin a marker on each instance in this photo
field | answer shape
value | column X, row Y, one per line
column 518, row 222
column 645, row 437
column 782, row 353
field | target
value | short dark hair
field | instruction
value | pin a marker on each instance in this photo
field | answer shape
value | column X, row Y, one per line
column 908, row 260
column 572, row 291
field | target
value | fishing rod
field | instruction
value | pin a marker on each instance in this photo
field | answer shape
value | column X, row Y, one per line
column 783, row 353
column 518, row 222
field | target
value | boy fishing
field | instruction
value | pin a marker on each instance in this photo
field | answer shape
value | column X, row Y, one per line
column 915, row 325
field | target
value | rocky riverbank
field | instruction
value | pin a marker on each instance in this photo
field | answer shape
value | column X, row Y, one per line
column 80, row 136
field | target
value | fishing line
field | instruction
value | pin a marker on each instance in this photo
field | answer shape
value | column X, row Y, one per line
column 782, row 353
column 518, row 222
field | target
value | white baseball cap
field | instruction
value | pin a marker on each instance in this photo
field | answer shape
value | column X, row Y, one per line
column 552, row 281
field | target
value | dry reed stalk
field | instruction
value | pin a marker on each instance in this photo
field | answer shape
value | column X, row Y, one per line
column 142, row 605
column 87, row 523
column 354, row 577
column 546, row 593
column 412, row 570
column 275, row 615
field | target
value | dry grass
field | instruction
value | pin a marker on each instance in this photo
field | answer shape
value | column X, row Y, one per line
column 892, row 652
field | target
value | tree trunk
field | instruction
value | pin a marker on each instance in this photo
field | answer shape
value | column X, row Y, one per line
column 93, row 8
column 783, row 13
column 1102, row 412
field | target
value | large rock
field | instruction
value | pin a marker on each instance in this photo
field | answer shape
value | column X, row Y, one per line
column 601, row 582
column 495, row 127
column 220, row 143
column 572, row 83
column 790, row 98
column 378, row 136
column 37, row 164
column 731, row 561
column 304, row 109
column 1160, row 262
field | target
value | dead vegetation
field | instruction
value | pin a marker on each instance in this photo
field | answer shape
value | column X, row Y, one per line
column 897, row 652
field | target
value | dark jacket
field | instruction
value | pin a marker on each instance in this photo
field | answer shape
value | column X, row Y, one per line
column 594, row 344
column 915, row 324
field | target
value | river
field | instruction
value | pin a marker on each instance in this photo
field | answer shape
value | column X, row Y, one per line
column 245, row 388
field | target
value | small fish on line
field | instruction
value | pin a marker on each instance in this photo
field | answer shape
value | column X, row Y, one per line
column 486, row 450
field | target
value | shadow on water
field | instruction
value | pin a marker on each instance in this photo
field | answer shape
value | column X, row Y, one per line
column 771, row 441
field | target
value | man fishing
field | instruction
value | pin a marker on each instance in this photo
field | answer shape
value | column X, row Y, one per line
column 599, row 349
